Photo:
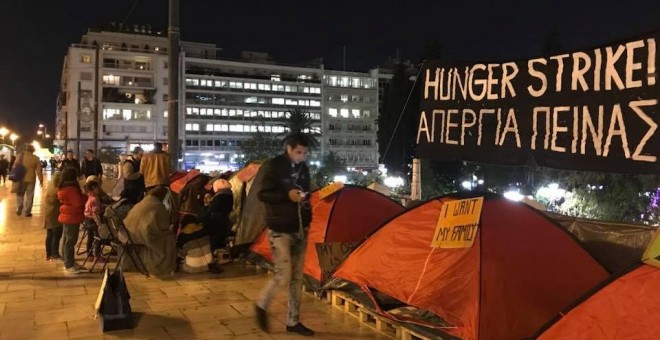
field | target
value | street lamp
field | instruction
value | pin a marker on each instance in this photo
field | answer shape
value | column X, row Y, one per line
column 3, row 132
column 13, row 137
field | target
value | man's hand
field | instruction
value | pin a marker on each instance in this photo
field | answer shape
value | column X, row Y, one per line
column 296, row 195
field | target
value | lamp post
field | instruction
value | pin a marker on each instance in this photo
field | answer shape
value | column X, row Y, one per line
column 13, row 137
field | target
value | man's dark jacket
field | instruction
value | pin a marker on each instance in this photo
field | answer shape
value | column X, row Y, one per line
column 280, row 176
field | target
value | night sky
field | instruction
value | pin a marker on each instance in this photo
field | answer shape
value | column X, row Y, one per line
column 36, row 33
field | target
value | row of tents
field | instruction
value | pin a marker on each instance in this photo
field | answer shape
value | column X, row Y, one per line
column 529, row 274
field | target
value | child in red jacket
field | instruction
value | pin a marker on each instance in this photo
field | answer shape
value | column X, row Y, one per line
column 72, row 214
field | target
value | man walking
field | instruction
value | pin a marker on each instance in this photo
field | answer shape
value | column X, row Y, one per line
column 70, row 162
column 156, row 168
column 4, row 169
column 284, row 191
column 25, row 192
column 91, row 166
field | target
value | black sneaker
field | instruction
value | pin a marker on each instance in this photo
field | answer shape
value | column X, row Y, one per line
column 299, row 328
column 262, row 318
column 18, row 213
column 28, row 215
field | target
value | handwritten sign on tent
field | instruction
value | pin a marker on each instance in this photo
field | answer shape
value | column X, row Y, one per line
column 330, row 189
column 331, row 254
column 458, row 223
column 594, row 109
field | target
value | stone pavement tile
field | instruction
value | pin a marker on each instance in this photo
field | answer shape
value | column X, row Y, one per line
column 157, row 319
column 80, row 280
column 210, row 313
column 80, row 300
column 63, row 315
column 84, row 328
column 65, row 291
column 211, row 299
column 2, row 308
column 19, row 295
column 156, row 333
column 243, row 325
column 186, row 291
column 142, row 294
column 164, row 304
column 51, row 331
column 34, row 305
column 211, row 329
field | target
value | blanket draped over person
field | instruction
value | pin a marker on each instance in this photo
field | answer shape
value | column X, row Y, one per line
column 149, row 224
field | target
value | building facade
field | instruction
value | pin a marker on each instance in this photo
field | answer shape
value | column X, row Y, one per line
column 132, row 77
column 350, row 113
column 222, row 102
column 227, row 102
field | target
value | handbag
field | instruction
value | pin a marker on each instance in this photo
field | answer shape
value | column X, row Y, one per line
column 18, row 172
column 113, row 303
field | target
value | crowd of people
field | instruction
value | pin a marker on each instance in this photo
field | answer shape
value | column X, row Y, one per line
column 75, row 199
column 177, row 233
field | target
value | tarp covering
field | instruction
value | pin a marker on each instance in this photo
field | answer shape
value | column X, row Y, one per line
column 615, row 245
column 349, row 215
column 521, row 270
column 625, row 309
column 248, row 210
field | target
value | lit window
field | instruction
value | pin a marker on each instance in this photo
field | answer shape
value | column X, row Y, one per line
column 111, row 80
column 332, row 81
column 232, row 113
column 236, row 128
column 344, row 113
column 239, row 113
column 203, row 82
column 86, row 59
column 355, row 113
column 275, row 77
column 366, row 114
column 165, row 115
column 189, row 111
column 195, row 127
column 195, row 111
column 250, row 100
column 217, row 112
column 225, row 112
column 195, row 82
column 344, row 98
column 345, row 82
column 291, row 102
column 278, row 101
column 356, row 82
column 332, row 113
column 315, row 103
column 209, row 127
column 224, row 127
column 289, row 88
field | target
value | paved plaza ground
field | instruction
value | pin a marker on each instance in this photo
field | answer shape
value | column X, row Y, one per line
column 37, row 300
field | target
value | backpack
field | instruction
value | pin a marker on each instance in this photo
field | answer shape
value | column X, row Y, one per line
column 115, row 215
column 191, row 197
column 18, row 173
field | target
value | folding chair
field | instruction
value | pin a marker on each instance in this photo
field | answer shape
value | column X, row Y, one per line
column 123, row 243
column 103, row 238
column 82, row 240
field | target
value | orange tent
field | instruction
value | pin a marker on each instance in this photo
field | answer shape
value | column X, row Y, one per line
column 349, row 215
column 626, row 307
column 521, row 270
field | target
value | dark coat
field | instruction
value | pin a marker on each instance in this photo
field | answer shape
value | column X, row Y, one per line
column 281, row 176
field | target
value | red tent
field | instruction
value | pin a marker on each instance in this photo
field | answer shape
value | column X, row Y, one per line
column 521, row 270
column 349, row 215
column 626, row 307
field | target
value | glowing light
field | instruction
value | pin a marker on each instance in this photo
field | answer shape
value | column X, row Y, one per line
column 513, row 195
column 341, row 178
column 393, row 182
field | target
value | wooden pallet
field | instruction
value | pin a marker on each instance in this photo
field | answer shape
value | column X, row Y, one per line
column 372, row 319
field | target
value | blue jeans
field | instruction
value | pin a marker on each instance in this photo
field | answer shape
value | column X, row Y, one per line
column 288, row 259
column 68, row 249
column 53, row 238
column 27, row 196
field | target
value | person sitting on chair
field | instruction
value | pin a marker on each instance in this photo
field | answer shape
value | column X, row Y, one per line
column 148, row 224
